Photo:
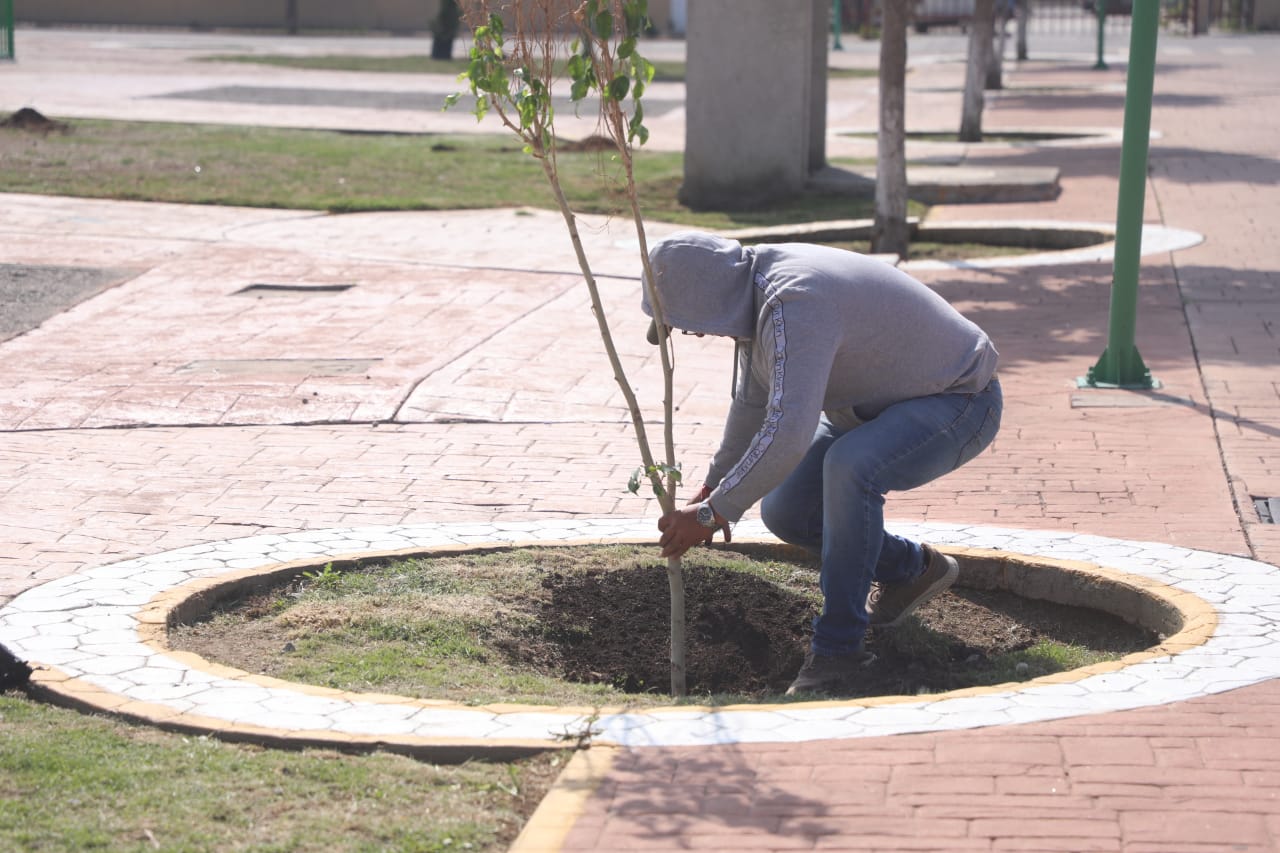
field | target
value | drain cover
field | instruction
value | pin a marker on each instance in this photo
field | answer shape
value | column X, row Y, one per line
column 1268, row 509
column 292, row 289
column 281, row 366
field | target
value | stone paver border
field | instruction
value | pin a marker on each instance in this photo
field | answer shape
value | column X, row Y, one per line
column 97, row 639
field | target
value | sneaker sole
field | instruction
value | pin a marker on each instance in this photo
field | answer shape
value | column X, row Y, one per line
column 941, row 585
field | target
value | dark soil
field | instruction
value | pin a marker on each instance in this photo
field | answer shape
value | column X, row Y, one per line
column 595, row 142
column 746, row 635
column 32, row 120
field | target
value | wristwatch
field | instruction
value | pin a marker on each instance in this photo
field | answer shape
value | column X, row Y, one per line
column 707, row 516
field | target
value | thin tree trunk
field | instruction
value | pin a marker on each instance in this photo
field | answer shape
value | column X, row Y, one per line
column 1024, row 15
column 891, row 233
column 616, row 122
column 534, row 49
column 976, row 72
column 995, row 68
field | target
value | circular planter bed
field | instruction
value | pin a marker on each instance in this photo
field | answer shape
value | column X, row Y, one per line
column 587, row 625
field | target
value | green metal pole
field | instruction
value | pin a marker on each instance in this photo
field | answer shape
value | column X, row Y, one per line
column 1101, row 6
column 1120, row 365
column 837, row 23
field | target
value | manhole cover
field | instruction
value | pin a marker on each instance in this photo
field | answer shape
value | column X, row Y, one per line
column 281, row 366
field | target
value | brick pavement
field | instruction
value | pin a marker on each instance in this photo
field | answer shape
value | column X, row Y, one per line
column 438, row 433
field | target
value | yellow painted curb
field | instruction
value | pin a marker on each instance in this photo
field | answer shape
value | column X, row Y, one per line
column 560, row 809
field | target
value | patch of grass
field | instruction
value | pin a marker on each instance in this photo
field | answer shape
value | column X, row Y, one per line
column 1044, row 658
column 74, row 782
column 664, row 71
column 344, row 172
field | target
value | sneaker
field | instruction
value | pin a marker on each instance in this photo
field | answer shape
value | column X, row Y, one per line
column 888, row 604
column 828, row 673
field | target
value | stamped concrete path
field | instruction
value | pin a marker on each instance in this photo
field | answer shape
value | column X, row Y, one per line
column 186, row 418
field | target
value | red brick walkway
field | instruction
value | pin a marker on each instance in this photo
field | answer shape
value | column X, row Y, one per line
column 484, row 405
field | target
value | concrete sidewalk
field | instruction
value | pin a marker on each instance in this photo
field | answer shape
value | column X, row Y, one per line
column 459, row 379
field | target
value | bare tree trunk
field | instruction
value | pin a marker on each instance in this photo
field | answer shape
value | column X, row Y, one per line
column 976, row 73
column 1024, row 15
column 891, row 233
column 995, row 68
column 444, row 29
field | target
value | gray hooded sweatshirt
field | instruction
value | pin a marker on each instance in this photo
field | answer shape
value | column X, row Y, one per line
column 820, row 330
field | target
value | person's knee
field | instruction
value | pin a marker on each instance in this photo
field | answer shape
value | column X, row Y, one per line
column 780, row 516
column 851, row 465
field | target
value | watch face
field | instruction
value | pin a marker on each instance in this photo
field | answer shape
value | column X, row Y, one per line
column 706, row 516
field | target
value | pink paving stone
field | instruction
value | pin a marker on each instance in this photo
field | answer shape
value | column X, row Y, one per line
column 1081, row 807
column 1165, row 847
column 1192, row 826
column 1058, row 845
column 1036, row 826
column 1242, row 753
column 1108, row 750
column 861, row 842
column 1001, row 750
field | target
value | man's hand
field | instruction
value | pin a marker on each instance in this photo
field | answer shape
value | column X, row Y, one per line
column 681, row 531
column 702, row 495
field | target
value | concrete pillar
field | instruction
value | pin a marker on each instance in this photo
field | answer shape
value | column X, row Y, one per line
column 755, row 100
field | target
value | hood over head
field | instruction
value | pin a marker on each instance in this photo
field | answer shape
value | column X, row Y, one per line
column 704, row 284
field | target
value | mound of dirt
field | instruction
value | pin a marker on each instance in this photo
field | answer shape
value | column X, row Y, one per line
column 595, row 142
column 33, row 121
column 747, row 636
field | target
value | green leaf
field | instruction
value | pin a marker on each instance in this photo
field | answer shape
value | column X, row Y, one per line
column 618, row 87
column 633, row 485
column 637, row 15
column 627, row 47
column 645, row 69
column 603, row 25
column 636, row 128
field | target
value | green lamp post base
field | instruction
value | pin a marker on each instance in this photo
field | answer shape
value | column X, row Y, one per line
column 1131, row 375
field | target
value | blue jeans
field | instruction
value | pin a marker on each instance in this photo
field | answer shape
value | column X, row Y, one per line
column 833, row 502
